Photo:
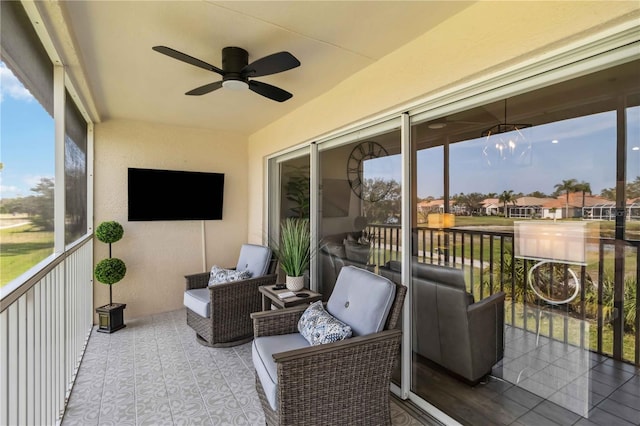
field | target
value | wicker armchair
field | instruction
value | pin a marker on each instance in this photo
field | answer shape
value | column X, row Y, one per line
column 230, row 304
column 341, row 383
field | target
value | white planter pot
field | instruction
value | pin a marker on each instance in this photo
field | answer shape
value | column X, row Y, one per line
column 295, row 283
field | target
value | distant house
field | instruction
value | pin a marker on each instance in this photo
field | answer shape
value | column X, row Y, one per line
column 492, row 206
column 527, row 207
column 432, row 206
column 437, row 206
column 577, row 207
column 606, row 210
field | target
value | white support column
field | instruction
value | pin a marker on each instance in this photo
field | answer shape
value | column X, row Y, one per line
column 90, row 151
column 314, row 191
column 59, row 193
column 405, row 136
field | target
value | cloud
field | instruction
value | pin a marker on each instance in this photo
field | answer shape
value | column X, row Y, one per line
column 11, row 86
column 20, row 187
column 9, row 191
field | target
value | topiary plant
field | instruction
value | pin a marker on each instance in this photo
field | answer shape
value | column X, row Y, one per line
column 109, row 232
column 110, row 271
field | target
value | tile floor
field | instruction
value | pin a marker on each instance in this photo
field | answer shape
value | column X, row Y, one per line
column 570, row 376
column 550, row 369
column 153, row 372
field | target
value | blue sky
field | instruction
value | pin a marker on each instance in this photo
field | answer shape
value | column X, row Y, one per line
column 584, row 149
column 26, row 138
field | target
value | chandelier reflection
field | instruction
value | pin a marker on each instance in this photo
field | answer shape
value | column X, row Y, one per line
column 506, row 143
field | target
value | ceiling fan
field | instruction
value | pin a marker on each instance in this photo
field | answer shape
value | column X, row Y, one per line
column 236, row 71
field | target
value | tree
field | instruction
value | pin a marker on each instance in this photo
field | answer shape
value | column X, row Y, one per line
column 537, row 194
column 12, row 205
column 381, row 199
column 41, row 206
column 608, row 193
column 472, row 202
column 583, row 187
column 567, row 186
column 505, row 198
column 633, row 188
column 377, row 189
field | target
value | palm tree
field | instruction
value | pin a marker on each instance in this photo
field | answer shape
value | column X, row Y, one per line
column 504, row 198
column 583, row 187
column 608, row 193
column 567, row 186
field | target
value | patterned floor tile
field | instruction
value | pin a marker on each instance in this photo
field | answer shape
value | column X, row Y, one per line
column 153, row 372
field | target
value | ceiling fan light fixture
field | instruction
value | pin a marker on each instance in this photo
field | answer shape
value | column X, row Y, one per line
column 508, row 141
column 235, row 84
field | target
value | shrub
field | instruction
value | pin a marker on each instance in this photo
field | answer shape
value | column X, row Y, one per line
column 110, row 271
column 109, row 232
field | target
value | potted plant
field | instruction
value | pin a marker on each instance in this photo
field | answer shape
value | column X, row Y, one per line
column 109, row 271
column 294, row 252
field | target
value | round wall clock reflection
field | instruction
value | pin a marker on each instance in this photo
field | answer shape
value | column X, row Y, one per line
column 362, row 152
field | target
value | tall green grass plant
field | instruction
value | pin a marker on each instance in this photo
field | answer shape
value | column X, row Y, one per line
column 294, row 249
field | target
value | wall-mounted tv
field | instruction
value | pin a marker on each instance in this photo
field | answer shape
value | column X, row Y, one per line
column 174, row 195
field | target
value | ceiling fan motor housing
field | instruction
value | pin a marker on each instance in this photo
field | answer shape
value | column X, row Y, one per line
column 234, row 59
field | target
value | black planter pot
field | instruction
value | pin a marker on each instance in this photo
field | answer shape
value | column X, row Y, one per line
column 111, row 317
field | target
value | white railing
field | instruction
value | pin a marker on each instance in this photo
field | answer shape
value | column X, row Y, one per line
column 43, row 333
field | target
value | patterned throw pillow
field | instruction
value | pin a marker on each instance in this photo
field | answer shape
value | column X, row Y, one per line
column 319, row 326
column 220, row 275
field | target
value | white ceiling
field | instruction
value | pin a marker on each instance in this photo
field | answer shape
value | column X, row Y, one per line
column 332, row 39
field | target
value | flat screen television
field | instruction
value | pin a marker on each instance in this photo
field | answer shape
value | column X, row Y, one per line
column 174, row 195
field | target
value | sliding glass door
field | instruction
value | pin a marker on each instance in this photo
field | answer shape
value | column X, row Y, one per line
column 455, row 185
column 546, row 160
column 359, row 201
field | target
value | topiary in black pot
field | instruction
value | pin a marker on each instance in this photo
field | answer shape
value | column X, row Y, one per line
column 110, row 271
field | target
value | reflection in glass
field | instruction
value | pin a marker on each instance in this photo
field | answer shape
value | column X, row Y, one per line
column 560, row 170
column 632, row 188
column 75, row 169
column 359, row 205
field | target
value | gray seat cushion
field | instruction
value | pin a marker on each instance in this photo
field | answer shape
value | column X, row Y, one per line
column 253, row 258
column 261, row 352
column 362, row 300
column 198, row 300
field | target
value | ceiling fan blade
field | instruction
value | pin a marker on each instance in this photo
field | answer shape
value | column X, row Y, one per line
column 269, row 91
column 272, row 64
column 207, row 88
column 186, row 58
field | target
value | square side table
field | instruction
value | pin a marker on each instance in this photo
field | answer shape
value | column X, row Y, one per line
column 270, row 297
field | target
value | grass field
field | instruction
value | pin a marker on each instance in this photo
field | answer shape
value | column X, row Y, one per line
column 22, row 246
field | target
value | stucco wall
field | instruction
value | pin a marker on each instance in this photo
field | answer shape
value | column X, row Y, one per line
column 482, row 39
column 159, row 254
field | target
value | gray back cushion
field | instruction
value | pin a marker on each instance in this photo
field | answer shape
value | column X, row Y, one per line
column 443, row 275
column 362, row 300
column 254, row 258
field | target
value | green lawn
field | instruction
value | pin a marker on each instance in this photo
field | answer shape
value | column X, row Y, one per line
column 22, row 247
